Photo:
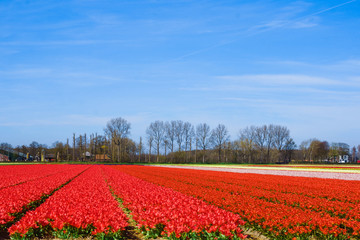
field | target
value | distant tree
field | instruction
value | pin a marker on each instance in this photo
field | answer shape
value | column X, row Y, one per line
column 170, row 135
column 179, row 134
column 189, row 133
column 281, row 136
column 67, row 146
column 263, row 139
column 203, row 135
column 334, row 151
column 337, row 149
column 247, row 143
column 260, row 140
column 7, row 149
column 269, row 138
column 117, row 129
column 150, row 140
column 344, row 148
column 219, row 136
column 58, row 149
column 305, row 148
column 353, row 155
column 289, row 148
column 34, row 148
column 156, row 131
column 140, row 148
column 319, row 150
column 73, row 152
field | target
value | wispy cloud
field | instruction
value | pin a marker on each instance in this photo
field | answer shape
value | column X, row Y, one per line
column 282, row 79
column 61, row 42
column 61, row 77
column 276, row 83
column 306, row 21
column 74, row 119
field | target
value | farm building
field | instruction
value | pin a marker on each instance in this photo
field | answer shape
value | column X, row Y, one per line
column 4, row 158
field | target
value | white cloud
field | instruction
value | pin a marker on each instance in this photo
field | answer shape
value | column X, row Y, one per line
column 75, row 119
column 282, row 79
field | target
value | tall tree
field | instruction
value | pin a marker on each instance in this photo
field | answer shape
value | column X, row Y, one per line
column 156, row 130
column 73, row 152
column 34, row 148
column 289, row 148
column 150, row 142
column 353, row 154
column 203, row 135
column 170, row 135
column 67, row 149
column 188, row 137
column 247, row 143
column 140, row 148
column 219, row 136
column 305, row 148
column 118, row 129
column 260, row 140
column 179, row 133
column 281, row 136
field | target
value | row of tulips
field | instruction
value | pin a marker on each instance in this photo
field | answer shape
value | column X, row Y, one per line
column 354, row 167
column 162, row 212
column 18, row 198
column 11, row 175
column 83, row 207
column 282, row 207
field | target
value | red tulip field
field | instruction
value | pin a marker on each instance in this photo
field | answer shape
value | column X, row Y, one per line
column 105, row 201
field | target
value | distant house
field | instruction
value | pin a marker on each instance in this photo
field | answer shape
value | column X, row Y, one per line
column 343, row 159
column 50, row 157
column 102, row 158
column 4, row 158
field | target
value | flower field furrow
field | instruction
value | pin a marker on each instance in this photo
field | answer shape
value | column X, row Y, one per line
column 258, row 201
column 161, row 211
column 14, row 199
column 12, row 175
column 332, row 196
column 83, row 207
column 332, row 189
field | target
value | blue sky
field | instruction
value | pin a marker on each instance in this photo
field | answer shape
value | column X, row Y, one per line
column 70, row 66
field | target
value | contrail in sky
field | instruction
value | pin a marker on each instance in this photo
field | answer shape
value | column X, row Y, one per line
column 261, row 31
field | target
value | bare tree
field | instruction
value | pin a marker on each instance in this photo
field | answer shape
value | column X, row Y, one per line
column 188, row 137
column 34, row 148
column 150, row 142
column 179, row 133
column 269, row 133
column 219, row 136
column 247, row 143
column 262, row 139
column 156, row 130
column 140, row 147
column 353, row 154
column 289, row 148
column 281, row 136
column 118, row 129
column 80, row 144
column 203, row 135
column 170, row 135
column 73, row 152
column 305, row 148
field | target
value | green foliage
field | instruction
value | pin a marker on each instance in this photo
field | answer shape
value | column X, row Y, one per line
column 159, row 231
column 153, row 232
column 67, row 232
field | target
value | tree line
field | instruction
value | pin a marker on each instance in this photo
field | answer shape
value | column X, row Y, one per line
column 180, row 141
